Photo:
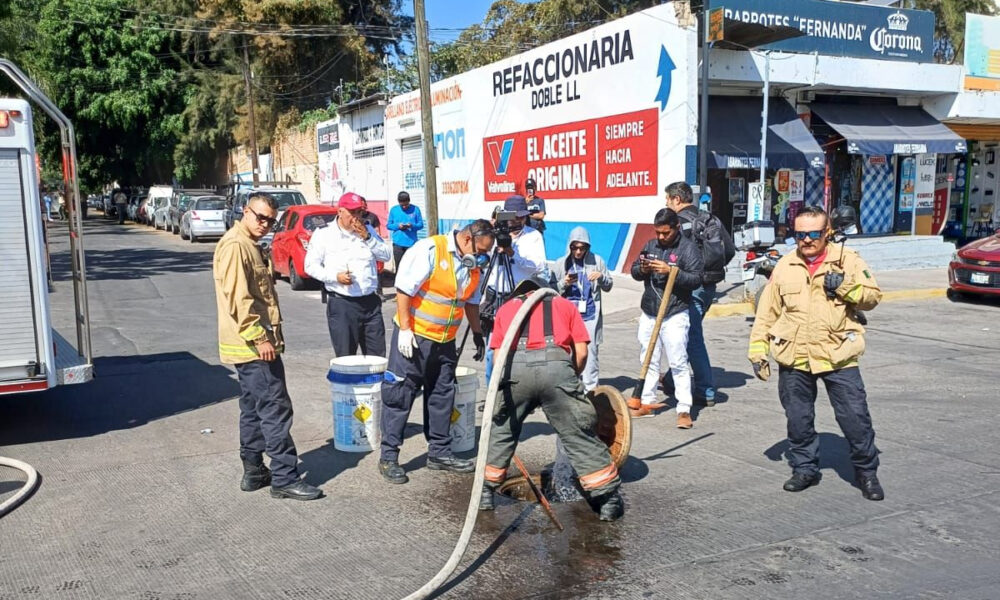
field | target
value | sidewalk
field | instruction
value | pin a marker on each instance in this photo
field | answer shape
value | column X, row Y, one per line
column 622, row 302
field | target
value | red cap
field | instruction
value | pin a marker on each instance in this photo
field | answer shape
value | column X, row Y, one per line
column 350, row 201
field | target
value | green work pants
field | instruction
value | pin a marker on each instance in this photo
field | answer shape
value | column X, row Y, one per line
column 546, row 378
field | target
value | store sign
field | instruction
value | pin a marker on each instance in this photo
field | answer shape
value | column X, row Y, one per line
column 982, row 52
column 328, row 137
column 842, row 28
column 797, row 186
column 759, row 206
column 924, row 188
column 942, row 200
column 609, row 157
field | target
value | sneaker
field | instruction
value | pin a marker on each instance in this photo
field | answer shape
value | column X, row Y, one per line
column 705, row 401
column 392, row 472
column 871, row 489
column 800, row 481
column 451, row 463
column 684, row 421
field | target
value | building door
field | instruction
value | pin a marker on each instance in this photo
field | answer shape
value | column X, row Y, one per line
column 413, row 177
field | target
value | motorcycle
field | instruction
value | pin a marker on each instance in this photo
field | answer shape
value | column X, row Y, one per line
column 757, row 240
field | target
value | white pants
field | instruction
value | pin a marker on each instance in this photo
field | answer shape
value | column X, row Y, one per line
column 672, row 340
column 591, row 372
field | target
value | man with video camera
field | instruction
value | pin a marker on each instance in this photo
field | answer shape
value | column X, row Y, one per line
column 518, row 255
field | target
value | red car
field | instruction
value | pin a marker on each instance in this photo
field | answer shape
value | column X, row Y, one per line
column 975, row 268
column 291, row 240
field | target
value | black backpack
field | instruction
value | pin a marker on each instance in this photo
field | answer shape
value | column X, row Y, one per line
column 717, row 247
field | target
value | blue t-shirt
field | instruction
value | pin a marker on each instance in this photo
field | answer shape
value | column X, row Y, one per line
column 397, row 215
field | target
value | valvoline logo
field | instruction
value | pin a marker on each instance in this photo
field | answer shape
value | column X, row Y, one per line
column 500, row 154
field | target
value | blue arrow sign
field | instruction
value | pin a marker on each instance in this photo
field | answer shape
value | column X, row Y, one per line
column 664, row 73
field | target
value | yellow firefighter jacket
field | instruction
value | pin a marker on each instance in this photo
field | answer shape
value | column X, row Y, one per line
column 244, row 293
column 804, row 329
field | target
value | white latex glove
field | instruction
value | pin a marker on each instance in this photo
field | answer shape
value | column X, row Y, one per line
column 406, row 343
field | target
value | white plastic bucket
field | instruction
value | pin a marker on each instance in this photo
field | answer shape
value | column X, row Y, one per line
column 356, row 384
column 463, row 416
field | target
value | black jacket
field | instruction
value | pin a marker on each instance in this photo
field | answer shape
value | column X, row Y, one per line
column 689, row 261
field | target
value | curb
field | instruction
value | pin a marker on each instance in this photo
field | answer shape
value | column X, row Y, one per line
column 746, row 309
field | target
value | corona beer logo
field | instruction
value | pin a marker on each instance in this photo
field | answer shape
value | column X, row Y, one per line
column 898, row 21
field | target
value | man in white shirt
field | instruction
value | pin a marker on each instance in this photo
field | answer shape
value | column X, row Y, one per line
column 527, row 258
column 342, row 255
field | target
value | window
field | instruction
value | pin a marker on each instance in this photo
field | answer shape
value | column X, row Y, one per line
column 210, row 204
column 317, row 221
column 369, row 152
column 293, row 220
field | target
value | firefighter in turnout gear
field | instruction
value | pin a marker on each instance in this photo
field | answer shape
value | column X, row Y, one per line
column 544, row 372
column 250, row 339
column 436, row 282
column 808, row 321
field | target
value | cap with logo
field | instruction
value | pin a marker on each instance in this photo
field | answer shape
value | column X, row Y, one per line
column 529, row 185
column 351, row 201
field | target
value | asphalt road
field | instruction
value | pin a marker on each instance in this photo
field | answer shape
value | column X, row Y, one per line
column 136, row 502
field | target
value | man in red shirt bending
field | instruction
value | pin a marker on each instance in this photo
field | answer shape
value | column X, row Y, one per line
column 544, row 371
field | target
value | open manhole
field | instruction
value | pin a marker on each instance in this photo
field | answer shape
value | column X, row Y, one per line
column 614, row 427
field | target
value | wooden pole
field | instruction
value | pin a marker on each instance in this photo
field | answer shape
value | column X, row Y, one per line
column 426, row 120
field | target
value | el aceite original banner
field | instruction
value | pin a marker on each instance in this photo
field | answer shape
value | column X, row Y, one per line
column 612, row 156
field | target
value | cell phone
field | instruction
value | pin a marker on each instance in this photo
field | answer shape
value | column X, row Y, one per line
column 573, row 276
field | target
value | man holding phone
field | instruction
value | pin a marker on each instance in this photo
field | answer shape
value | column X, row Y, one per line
column 343, row 256
column 582, row 277
column 669, row 248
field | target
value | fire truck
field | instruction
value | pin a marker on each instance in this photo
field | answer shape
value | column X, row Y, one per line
column 33, row 355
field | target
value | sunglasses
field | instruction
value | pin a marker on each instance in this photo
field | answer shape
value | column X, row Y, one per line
column 813, row 235
column 576, row 247
column 269, row 221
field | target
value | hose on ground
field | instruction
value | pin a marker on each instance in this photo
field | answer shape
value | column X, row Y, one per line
column 499, row 360
column 26, row 490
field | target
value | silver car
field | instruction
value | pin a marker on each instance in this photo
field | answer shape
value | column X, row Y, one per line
column 204, row 218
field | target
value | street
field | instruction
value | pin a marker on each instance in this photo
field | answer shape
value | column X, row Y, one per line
column 140, row 498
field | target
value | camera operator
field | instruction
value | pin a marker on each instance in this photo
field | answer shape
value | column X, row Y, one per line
column 524, row 248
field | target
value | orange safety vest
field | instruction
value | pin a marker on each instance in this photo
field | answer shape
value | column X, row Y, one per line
column 437, row 305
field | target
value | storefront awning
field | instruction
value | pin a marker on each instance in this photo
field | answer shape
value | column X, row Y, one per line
column 889, row 129
column 734, row 135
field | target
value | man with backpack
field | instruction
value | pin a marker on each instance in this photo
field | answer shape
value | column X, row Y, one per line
column 717, row 249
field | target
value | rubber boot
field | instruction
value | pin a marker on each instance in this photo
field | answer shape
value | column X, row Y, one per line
column 255, row 476
column 609, row 507
column 487, row 500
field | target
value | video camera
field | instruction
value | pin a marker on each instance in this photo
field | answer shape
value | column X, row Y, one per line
column 502, row 227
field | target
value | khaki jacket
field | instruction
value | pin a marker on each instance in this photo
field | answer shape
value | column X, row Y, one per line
column 245, row 296
column 801, row 327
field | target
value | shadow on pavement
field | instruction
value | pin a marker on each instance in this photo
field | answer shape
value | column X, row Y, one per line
column 834, row 453
column 135, row 263
column 323, row 464
column 127, row 392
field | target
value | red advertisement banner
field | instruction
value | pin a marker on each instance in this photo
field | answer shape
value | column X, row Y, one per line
column 606, row 157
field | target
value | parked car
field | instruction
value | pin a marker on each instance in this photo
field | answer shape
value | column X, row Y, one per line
column 185, row 199
column 140, row 211
column 133, row 206
column 975, row 268
column 204, row 218
column 291, row 240
column 283, row 196
column 158, row 197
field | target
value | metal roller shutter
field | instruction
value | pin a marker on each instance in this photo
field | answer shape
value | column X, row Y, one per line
column 18, row 345
column 413, row 177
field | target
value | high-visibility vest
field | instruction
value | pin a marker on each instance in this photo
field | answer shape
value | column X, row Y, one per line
column 438, row 305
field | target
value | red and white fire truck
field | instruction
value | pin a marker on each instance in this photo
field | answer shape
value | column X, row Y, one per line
column 33, row 355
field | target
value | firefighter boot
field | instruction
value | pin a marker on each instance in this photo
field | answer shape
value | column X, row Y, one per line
column 255, row 475
column 609, row 507
column 487, row 500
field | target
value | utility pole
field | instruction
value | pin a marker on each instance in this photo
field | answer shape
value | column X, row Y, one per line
column 706, row 47
column 253, row 124
column 426, row 121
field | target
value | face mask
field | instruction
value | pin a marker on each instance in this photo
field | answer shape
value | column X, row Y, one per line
column 475, row 261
